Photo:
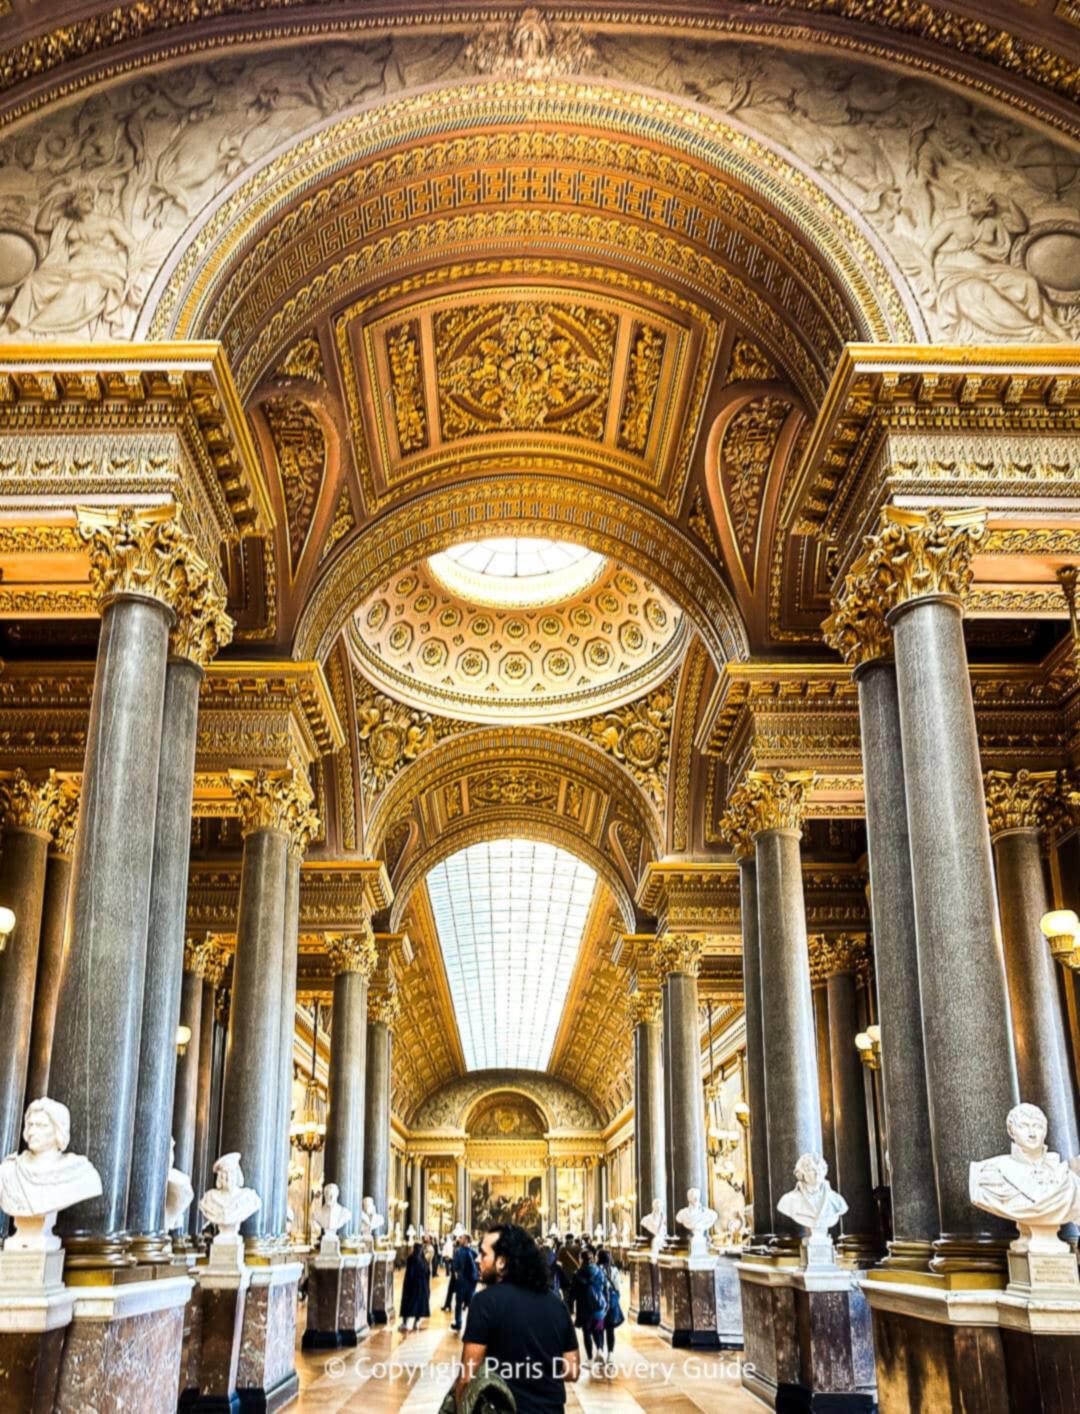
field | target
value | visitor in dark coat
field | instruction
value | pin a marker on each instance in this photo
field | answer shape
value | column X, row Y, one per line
column 415, row 1290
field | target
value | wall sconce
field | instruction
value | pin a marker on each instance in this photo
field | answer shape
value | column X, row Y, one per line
column 183, row 1036
column 868, row 1044
column 741, row 1111
column 7, row 926
column 1061, row 928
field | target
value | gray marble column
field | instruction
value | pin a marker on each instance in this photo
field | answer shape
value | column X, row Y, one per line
column 214, row 962
column 30, row 809
column 382, row 1012
column 1017, row 803
column 250, row 1085
column 649, row 1144
column 461, row 1197
column 286, row 1033
column 970, row 1060
column 913, row 1190
column 164, row 963
column 219, row 1048
column 684, row 1104
column 820, row 995
column 186, row 1091
column 755, row 1042
column 772, row 805
column 353, row 958
column 54, row 912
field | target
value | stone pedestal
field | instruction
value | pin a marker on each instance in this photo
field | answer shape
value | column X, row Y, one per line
column 213, row 1343
column 334, row 1286
column 728, row 1299
column 957, row 1350
column 381, row 1288
column 35, row 1311
column 644, row 1287
column 808, row 1339
column 266, row 1376
column 699, row 1302
column 122, row 1349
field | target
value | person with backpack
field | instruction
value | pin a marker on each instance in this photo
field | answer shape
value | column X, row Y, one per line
column 465, row 1276
column 590, row 1300
column 614, row 1316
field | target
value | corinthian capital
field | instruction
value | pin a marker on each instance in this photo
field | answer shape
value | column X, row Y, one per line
column 275, row 800
column 679, row 952
column 736, row 826
column 1019, row 800
column 836, row 953
column 856, row 628
column 32, row 805
column 643, row 1007
column 202, row 626
column 66, row 821
column 136, row 552
column 384, row 1006
column 353, row 952
column 920, row 553
column 771, row 800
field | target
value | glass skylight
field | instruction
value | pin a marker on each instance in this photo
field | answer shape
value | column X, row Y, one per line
column 516, row 570
column 510, row 916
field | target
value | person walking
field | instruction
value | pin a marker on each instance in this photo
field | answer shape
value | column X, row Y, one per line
column 416, row 1290
column 614, row 1317
column 466, row 1275
column 517, row 1327
column 590, row 1300
column 448, row 1249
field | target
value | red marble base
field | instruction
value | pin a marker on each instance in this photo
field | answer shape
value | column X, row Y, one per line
column 644, row 1288
column 266, row 1373
column 30, row 1370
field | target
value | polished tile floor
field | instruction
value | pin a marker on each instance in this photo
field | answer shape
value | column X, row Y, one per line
column 391, row 1371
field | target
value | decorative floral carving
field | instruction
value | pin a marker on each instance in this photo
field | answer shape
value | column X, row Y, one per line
column 745, row 454
column 137, row 552
column 391, row 735
column 301, row 455
column 700, row 523
column 770, row 800
column 834, row 953
column 278, row 800
column 515, row 787
column 639, row 735
column 748, row 364
column 644, row 1007
column 1019, row 800
column 343, row 522
column 66, row 822
column 679, row 952
column 31, row 805
column 384, row 1006
column 407, row 386
column 529, row 48
column 353, row 952
column 202, row 626
column 856, row 628
column 303, row 360
column 642, row 382
column 917, row 553
column 737, row 825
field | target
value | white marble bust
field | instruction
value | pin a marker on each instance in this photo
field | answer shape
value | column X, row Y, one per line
column 330, row 1214
column 229, row 1203
column 624, row 1236
column 179, row 1194
column 814, row 1204
column 410, row 1234
column 698, row 1221
column 598, row 1232
column 370, row 1219
column 655, row 1225
column 37, row 1184
column 1031, row 1186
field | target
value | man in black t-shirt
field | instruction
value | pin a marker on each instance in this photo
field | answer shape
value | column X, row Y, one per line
column 518, row 1328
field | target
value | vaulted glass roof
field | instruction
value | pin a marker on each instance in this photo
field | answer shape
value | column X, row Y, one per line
column 510, row 916
column 516, row 570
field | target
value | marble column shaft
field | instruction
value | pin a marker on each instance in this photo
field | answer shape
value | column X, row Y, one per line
column 820, row 993
column 377, row 1116
column 249, row 1088
column 684, row 1109
column 50, row 958
column 22, row 889
column 99, row 1013
column 851, row 1128
column 204, row 1062
column 649, row 1144
column 755, row 1047
column 792, row 1101
column 164, row 959
column 286, row 1031
column 896, row 964
column 343, row 1161
column 1042, row 1050
column 970, row 1062
column 186, row 1093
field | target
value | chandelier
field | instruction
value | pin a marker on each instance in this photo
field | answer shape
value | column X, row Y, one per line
column 308, row 1130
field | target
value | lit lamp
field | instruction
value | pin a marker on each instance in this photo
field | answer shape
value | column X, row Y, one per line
column 741, row 1111
column 183, row 1036
column 308, row 1130
column 868, row 1044
column 1061, row 928
column 7, row 926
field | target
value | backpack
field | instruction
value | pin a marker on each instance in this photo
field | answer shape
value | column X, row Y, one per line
column 597, row 1290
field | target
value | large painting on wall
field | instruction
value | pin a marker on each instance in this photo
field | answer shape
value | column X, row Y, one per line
column 513, row 1198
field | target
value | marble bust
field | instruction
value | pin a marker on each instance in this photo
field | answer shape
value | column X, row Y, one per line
column 814, row 1204
column 179, row 1194
column 655, row 1225
column 37, row 1184
column 331, row 1217
column 698, row 1221
column 625, row 1234
column 229, row 1203
column 1031, row 1185
column 598, row 1232
column 410, row 1234
column 370, row 1220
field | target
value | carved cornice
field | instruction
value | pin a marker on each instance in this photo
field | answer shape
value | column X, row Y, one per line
column 831, row 954
column 771, row 800
column 353, row 952
column 1019, row 800
column 336, row 896
column 679, row 953
column 36, row 806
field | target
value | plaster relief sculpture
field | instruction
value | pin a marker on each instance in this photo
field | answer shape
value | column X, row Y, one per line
column 37, row 1184
column 698, row 1221
column 814, row 1204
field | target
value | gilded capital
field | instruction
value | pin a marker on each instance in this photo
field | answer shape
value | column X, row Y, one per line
column 856, row 628
column 139, row 552
column 353, row 952
column 275, row 800
column 831, row 954
column 32, row 805
column 771, row 800
column 215, row 960
column 736, row 827
column 66, row 821
column 193, row 956
column 385, row 1007
column 643, row 1007
column 916, row 554
column 202, row 626
column 1020, row 800
column 679, row 952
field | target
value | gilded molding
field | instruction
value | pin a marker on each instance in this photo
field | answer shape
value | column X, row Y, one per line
column 771, row 800
column 1019, row 800
column 833, row 953
column 679, row 953
column 353, row 952
column 36, row 806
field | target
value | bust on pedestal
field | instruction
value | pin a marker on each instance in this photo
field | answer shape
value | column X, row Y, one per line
column 179, row 1194
column 331, row 1217
column 1034, row 1188
column 655, row 1225
column 698, row 1221
column 370, row 1221
column 813, row 1203
column 227, row 1205
column 34, row 1187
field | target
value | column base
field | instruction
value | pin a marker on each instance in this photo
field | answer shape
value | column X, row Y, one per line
column 123, row 1347
column 337, row 1296
column 808, row 1339
column 644, row 1287
column 266, row 1374
column 949, row 1349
